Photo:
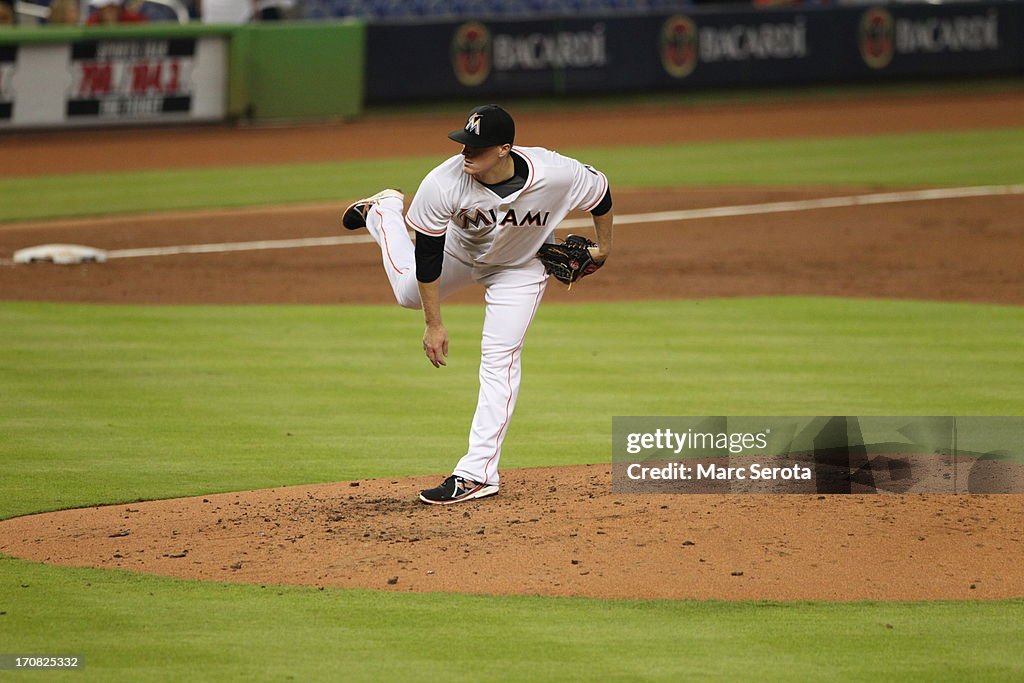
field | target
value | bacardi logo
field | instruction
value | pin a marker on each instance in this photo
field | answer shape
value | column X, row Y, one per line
column 471, row 53
column 876, row 38
column 678, row 46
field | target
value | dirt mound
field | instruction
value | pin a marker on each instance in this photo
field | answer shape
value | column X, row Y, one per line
column 555, row 531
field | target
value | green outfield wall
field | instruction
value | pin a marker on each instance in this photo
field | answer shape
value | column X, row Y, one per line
column 297, row 71
column 67, row 77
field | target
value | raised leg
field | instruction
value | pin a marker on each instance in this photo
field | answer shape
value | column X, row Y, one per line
column 386, row 224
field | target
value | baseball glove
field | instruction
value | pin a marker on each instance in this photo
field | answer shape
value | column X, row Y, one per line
column 570, row 260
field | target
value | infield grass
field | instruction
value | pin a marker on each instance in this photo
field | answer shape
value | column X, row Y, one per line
column 114, row 403
column 103, row 404
column 136, row 628
column 950, row 158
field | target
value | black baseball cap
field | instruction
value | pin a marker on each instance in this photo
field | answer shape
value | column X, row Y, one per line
column 486, row 126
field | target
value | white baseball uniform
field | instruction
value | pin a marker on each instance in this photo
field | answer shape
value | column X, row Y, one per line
column 493, row 241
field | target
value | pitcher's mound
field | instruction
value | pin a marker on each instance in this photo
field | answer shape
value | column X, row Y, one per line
column 555, row 531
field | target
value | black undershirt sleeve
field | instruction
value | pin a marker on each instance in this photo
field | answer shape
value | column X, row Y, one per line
column 605, row 204
column 429, row 256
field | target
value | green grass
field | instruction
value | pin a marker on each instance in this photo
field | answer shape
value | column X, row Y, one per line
column 135, row 628
column 962, row 158
column 111, row 403
column 115, row 403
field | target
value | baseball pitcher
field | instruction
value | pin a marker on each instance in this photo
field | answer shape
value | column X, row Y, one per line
column 487, row 215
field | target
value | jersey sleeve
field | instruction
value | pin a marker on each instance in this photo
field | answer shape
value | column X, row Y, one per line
column 429, row 211
column 589, row 187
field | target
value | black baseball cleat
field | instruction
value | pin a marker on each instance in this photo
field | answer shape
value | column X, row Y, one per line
column 456, row 489
column 355, row 215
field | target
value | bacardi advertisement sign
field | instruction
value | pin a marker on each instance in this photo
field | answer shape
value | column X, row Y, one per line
column 502, row 57
column 935, row 40
column 701, row 46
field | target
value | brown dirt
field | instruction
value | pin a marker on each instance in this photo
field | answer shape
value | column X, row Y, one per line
column 962, row 250
column 578, row 539
column 556, row 531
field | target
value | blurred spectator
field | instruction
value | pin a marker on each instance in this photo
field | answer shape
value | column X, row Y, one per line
column 273, row 10
column 226, row 11
column 63, row 12
column 7, row 15
column 107, row 12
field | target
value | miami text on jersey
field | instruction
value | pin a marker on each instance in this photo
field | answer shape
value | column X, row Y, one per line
column 475, row 219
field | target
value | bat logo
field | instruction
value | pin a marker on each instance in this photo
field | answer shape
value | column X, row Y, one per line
column 678, row 46
column 471, row 53
column 876, row 38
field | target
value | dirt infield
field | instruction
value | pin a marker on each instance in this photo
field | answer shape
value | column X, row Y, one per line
column 556, row 531
column 952, row 250
column 552, row 531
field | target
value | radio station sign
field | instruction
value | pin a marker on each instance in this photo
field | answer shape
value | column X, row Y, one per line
column 8, row 56
column 131, row 79
column 113, row 81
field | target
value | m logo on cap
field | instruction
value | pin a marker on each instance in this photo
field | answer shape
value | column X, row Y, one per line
column 486, row 126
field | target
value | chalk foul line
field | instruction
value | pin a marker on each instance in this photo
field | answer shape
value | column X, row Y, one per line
column 630, row 219
column 240, row 246
column 810, row 204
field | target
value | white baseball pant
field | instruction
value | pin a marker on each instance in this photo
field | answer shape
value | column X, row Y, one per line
column 511, row 295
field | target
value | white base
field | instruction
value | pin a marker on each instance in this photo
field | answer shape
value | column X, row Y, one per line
column 61, row 254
